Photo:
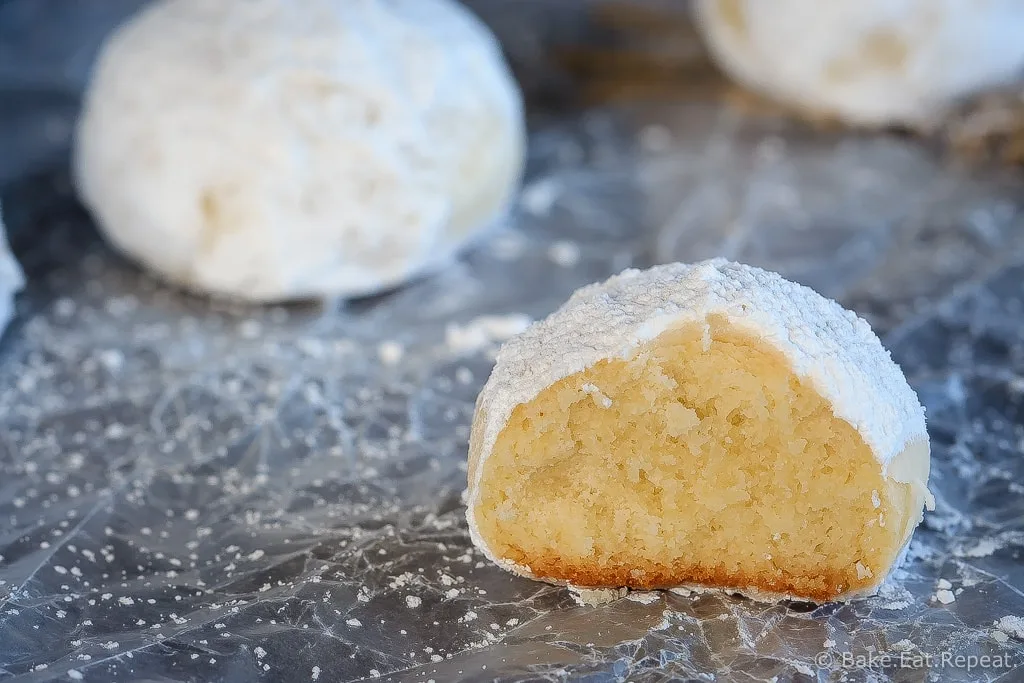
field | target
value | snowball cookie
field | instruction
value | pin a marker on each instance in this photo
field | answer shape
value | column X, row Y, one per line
column 710, row 425
column 272, row 149
column 11, row 278
column 867, row 62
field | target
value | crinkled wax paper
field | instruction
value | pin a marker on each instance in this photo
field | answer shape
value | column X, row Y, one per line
column 191, row 490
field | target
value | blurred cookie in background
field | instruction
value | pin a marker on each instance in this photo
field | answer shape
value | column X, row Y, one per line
column 11, row 278
column 269, row 150
column 874, row 62
column 988, row 127
column 950, row 71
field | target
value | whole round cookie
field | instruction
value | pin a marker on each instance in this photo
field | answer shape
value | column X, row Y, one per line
column 867, row 62
column 707, row 424
column 271, row 149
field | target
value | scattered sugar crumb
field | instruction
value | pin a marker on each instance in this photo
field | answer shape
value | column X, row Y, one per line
column 315, row 674
column 259, row 652
column 945, row 596
column 1000, row 637
column 481, row 332
column 679, row 590
column 944, row 584
column 413, row 601
column 664, row 623
column 75, row 674
column 863, row 572
column 829, row 644
column 1012, row 626
column 112, row 359
column 508, row 246
column 402, row 579
column 565, row 254
column 896, row 597
column 64, row 307
column 655, row 138
column 644, row 597
column 539, row 197
column 250, row 329
column 355, row 623
column 390, row 352
column 904, row 645
column 590, row 597
column 983, row 548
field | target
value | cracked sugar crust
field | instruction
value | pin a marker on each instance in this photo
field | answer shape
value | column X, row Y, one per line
column 828, row 345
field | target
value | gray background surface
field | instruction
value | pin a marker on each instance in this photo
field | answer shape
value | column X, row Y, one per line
column 192, row 490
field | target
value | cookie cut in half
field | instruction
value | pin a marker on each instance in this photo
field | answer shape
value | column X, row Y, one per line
column 699, row 425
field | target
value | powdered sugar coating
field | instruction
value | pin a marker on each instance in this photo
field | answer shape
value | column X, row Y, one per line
column 829, row 346
column 270, row 150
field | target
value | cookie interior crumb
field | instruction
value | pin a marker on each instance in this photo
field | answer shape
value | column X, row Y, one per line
column 703, row 458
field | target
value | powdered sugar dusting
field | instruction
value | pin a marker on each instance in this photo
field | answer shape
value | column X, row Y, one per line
column 831, row 346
